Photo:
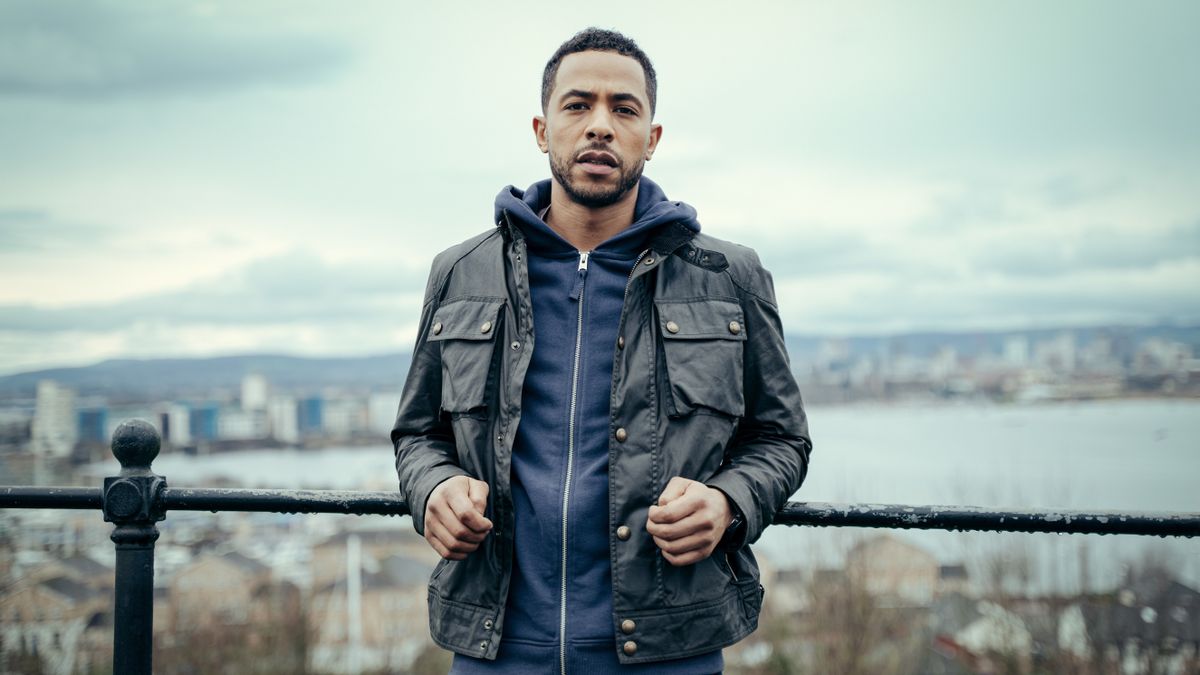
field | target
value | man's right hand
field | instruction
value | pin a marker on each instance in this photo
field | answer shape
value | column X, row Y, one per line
column 454, row 520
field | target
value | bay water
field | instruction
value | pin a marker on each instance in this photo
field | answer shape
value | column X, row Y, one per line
column 1126, row 455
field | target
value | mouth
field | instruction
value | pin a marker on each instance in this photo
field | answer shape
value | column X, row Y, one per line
column 597, row 162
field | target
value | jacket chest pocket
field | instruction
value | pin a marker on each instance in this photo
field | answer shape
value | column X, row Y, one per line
column 467, row 331
column 702, row 342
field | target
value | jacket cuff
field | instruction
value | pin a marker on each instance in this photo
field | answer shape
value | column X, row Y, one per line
column 432, row 478
column 734, row 539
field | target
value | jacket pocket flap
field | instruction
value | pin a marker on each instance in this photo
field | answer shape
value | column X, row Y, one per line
column 701, row 319
column 466, row 319
column 703, row 349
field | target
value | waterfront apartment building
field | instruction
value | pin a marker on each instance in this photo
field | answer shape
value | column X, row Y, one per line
column 55, row 428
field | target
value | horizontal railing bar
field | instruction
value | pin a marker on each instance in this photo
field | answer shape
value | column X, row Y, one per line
column 23, row 497
column 899, row 516
column 814, row 514
column 285, row 501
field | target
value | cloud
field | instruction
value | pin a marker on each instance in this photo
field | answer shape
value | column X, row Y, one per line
column 39, row 231
column 293, row 289
column 880, row 304
column 1100, row 248
column 104, row 50
column 1041, row 247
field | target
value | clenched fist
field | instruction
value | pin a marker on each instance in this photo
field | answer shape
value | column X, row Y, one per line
column 688, row 521
column 454, row 520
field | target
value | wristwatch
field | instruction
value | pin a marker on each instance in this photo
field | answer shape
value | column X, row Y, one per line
column 735, row 531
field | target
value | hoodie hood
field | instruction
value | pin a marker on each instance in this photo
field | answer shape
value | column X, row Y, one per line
column 652, row 211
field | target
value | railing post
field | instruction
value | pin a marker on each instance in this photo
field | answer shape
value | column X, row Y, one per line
column 132, row 501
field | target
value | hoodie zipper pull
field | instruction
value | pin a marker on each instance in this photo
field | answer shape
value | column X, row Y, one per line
column 578, row 288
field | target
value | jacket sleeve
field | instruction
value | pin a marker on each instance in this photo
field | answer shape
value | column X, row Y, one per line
column 423, row 440
column 767, row 459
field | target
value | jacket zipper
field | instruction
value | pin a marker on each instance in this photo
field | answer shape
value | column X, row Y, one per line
column 576, row 294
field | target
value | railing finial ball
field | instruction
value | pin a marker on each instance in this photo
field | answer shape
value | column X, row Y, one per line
column 135, row 444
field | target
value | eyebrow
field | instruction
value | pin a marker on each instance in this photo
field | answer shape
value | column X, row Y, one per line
column 591, row 96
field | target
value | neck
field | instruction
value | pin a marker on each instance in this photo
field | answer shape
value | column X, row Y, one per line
column 586, row 228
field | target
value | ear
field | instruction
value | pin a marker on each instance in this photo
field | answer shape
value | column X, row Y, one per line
column 652, row 143
column 539, row 133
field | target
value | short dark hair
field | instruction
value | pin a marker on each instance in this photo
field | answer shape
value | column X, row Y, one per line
column 600, row 40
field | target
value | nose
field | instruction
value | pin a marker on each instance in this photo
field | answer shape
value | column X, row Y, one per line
column 600, row 126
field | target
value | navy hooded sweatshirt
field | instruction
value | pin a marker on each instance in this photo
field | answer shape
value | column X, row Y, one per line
column 559, row 611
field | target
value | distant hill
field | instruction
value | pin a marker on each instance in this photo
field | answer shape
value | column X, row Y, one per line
column 171, row 377
column 973, row 343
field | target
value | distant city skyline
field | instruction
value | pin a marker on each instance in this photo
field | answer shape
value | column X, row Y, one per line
column 204, row 178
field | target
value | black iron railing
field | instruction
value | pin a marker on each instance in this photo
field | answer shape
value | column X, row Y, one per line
column 137, row 498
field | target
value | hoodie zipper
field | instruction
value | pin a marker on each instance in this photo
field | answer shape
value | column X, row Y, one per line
column 577, row 289
column 577, row 295
column 629, row 280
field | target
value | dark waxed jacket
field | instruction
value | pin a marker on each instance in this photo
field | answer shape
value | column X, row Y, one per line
column 701, row 388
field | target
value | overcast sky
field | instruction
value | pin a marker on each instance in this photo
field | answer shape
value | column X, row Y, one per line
column 209, row 178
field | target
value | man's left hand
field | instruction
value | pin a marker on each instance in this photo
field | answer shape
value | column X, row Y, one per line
column 688, row 521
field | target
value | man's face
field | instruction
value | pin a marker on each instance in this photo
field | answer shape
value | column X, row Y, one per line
column 597, row 129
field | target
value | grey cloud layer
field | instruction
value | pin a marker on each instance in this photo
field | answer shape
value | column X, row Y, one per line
column 1103, row 248
column 39, row 231
column 939, row 253
column 105, row 50
column 903, row 306
column 289, row 289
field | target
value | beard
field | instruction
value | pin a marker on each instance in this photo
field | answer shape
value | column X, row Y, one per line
column 595, row 196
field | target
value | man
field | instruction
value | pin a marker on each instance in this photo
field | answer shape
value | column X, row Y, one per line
column 600, row 416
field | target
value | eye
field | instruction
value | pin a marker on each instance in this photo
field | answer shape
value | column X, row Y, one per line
column 626, row 110
column 576, row 106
